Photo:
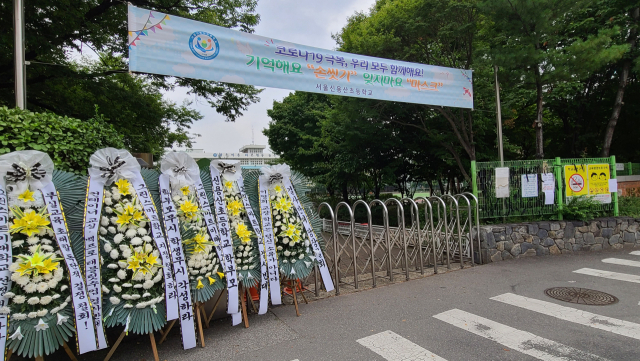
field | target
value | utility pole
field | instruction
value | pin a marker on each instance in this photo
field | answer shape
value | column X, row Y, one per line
column 20, row 78
column 499, row 117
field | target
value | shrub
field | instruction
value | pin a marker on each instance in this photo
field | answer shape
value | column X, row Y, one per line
column 68, row 141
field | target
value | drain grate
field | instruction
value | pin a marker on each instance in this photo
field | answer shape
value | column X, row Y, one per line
column 583, row 296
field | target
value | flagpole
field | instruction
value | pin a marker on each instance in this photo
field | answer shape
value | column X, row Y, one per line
column 20, row 71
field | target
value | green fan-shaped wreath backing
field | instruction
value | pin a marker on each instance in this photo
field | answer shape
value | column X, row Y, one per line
column 299, row 183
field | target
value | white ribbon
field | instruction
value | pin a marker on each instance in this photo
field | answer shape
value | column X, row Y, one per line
column 27, row 168
column 170, row 291
column 231, row 171
column 106, row 166
column 264, row 281
column 224, row 231
column 181, row 169
column 180, row 271
column 111, row 164
column 85, row 331
column 268, row 243
column 274, row 174
column 5, row 262
column 322, row 264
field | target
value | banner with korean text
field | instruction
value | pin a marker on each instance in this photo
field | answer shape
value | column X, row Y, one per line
column 170, row 45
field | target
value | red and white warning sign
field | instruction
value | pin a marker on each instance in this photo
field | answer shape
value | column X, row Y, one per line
column 576, row 182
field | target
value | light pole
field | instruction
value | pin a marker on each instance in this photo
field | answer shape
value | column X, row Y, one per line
column 18, row 31
column 499, row 117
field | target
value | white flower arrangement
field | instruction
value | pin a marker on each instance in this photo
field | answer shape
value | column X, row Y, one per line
column 292, row 241
column 127, row 258
column 39, row 276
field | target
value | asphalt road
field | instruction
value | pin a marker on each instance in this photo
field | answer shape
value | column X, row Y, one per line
column 493, row 312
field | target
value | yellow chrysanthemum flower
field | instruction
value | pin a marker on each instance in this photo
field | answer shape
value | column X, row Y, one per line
column 234, row 208
column 229, row 185
column 199, row 242
column 37, row 263
column 189, row 209
column 28, row 222
column 142, row 262
column 278, row 188
column 283, row 205
column 123, row 186
column 185, row 190
column 27, row 196
column 243, row 231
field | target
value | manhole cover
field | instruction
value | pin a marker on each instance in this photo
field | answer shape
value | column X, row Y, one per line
column 583, row 296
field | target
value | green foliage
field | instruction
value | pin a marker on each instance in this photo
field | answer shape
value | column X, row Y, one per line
column 582, row 208
column 629, row 206
column 132, row 103
column 68, row 141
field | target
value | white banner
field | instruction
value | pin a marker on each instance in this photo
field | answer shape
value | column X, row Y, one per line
column 324, row 270
column 225, row 255
column 85, row 331
column 5, row 262
column 264, row 280
column 172, row 227
column 92, row 212
column 269, row 243
column 170, row 292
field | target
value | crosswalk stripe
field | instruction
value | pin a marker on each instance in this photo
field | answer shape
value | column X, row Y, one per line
column 394, row 347
column 613, row 325
column 635, row 253
column 608, row 274
column 522, row 341
column 622, row 262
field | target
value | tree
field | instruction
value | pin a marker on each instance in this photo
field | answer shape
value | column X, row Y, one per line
column 69, row 142
column 55, row 32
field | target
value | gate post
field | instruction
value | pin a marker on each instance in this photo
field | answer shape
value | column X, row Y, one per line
column 557, row 170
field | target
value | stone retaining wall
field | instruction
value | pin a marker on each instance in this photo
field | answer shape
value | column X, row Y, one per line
column 508, row 241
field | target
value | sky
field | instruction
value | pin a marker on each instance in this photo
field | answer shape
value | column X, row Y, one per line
column 302, row 22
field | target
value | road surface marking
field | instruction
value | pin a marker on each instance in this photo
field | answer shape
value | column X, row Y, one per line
column 622, row 262
column 635, row 253
column 394, row 347
column 607, row 274
column 515, row 339
column 613, row 325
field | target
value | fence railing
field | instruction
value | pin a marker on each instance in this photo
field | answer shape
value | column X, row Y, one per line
column 490, row 206
column 436, row 232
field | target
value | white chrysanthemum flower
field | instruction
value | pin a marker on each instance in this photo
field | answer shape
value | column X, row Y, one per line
column 33, row 240
column 64, row 288
column 137, row 285
column 17, row 243
column 117, row 288
column 9, row 294
column 32, row 314
column 114, row 280
column 52, row 283
column 104, row 221
column 21, row 280
column 105, row 289
column 147, row 284
column 46, row 300
column 126, row 253
column 56, row 296
column 146, row 294
column 142, row 231
column 107, row 247
column 122, row 274
column 114, row 220
column 135, row 297
column 245, row 268
column 284, row 261
column 47, row 276
column 148, row 247
column 157, row 278
column 122, row 264
column 301, row 256
column 114, row 254
column 112, row 266
column 131, row 233
column 143, row 224
column 126, row 285
column 114, row 300
column 112, row 229
column 33, row 300
column 115, row 196
column 108, row 209
column 30, row 287
column 287, row 253
column 19, row 316
column 118, row 238
column 127, row 306
column 285, row 240
column 46, row 248
column 13, row 267
column 43, row 312
column 142, row 305
column 136, row 241
column 123, row 247
column 4, row 310
column 126, row 297
column 103, row 231
column 146, row 238
column 64, row 304
column 108, row 201
column 148, row 276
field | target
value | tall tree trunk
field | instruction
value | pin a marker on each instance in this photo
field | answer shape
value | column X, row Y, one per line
column 624, row 76
column 442, row 190
column 345, row 192
column 538, row 123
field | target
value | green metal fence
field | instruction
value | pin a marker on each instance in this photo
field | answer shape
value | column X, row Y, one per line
column 628, row 168
column 483, row 181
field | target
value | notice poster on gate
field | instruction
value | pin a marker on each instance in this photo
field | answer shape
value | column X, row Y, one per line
column 599, row 182
column 575, row 179
column 170, row 45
